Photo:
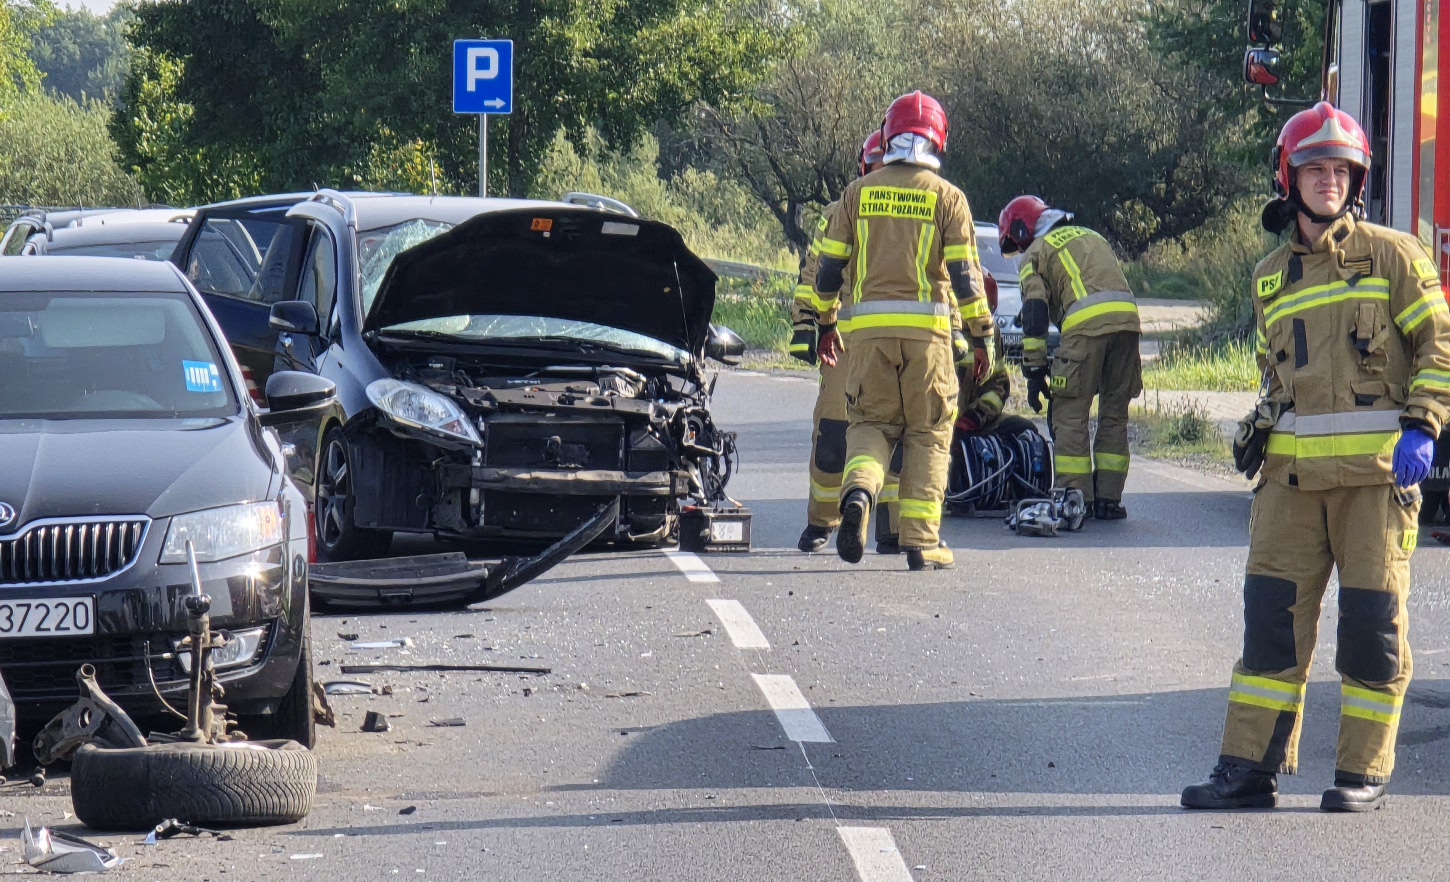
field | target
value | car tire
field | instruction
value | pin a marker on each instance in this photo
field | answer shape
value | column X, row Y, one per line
column 250, row 783
column 293, row 719
column 338, row 538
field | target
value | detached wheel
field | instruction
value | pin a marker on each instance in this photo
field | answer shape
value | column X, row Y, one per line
column 338, row 537
column 250, row 783
column 292, row 720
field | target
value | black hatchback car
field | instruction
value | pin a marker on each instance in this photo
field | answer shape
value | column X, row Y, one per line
column 505, row 369
column 124, row 441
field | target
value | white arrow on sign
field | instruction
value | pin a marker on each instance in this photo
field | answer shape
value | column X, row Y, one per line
column 494, row 102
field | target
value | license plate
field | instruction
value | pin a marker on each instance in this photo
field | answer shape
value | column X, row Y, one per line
column 63, row 617
column 1011, row 339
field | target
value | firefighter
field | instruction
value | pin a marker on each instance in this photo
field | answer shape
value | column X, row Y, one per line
column 908, row 235
column 1071, row 278
column 828, row 440
column 1354, row 342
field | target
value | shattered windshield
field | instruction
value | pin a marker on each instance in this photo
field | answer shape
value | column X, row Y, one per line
column 377, row 248
column 523, row 328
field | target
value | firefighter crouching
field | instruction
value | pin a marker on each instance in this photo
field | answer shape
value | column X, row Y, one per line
column 1071, row 277
column 828, row 436
column 1354, row 340
column 908, row 234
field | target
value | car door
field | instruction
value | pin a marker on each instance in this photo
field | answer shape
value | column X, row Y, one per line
column 18, row 234
column 316, row 284
column 243, row 259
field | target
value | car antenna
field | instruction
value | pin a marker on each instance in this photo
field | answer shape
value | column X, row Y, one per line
column 433, row 174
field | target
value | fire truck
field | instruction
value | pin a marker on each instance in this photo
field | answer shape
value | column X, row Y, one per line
column 1384, row 62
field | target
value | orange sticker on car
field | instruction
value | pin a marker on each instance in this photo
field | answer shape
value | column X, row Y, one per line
column 542, row 224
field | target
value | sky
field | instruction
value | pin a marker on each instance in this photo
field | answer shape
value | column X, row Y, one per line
column 100, row 7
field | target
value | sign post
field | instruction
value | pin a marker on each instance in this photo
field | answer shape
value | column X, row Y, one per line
column 483, row 84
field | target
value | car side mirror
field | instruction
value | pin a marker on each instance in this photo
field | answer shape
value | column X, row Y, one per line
column 294, row 317
column 1266, row 26
column 724, row 346
column 1260, row 67
column 295, row 394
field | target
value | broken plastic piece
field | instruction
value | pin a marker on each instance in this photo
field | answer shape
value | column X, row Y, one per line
column 171, row 827
column 347, row 687
column 375, row 722
column 7, row 727
column 452, row 722
column 53, row 852
column 396, row 643
column 402, row 669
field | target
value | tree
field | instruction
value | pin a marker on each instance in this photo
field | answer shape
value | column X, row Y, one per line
column 306, row 88
column 57, row 152
column 18, row 20
column 82, row 55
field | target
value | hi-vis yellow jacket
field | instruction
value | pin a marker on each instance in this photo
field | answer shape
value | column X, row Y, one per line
column 898, row 228
column 1354, row 337
column 806, row 307
column 1075, row 271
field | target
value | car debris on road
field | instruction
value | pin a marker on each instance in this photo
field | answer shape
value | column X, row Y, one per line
column 54, row 852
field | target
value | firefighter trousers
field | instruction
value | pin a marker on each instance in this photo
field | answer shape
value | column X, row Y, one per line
column 902, row 391
column 1106, row 367
column 1295, row 537
column 828, row 447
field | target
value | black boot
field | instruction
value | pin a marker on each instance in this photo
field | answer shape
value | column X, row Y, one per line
column 1233, row 785
column 814, row 538
column 1353, row 796
column 888, row 544
column 851, row 539
column 1109, row 510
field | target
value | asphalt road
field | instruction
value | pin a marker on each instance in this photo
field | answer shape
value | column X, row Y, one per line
column 1029, row 715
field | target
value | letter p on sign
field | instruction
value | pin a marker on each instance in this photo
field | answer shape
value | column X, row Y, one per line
column 482, row 65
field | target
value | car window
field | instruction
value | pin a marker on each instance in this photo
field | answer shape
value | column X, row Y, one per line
column 1004, row 268
column 319, row 275
column 16, row 236
column 227, row 255
column 97, row 356
column 159, row 249
column 377, row 248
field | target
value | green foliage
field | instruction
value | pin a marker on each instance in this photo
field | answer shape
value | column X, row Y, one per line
column 58, row 152
column 306, row 90
column 1229, row 366
column 717, row 217
column 18, row 21
column 758, row 312
column 1180, row 431
column 81, row 54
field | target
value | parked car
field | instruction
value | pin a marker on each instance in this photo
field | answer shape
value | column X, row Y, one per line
column 1008, row 314
column 140, row 240
column 38, row 221
column 126, row 442
column 505, row 368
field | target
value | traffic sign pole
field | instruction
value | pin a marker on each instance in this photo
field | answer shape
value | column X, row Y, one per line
column 483, row 154
column 483, row 84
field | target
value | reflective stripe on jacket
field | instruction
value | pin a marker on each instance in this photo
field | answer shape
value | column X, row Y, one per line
column 1354, row 332
column 1074, row 271
column 898, row 228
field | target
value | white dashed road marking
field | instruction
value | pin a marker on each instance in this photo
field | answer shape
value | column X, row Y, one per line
column 791, row 708
column 743, row 631
column 874, row 853
column 690, row 564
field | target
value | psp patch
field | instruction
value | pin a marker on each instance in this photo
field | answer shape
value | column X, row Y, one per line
column 201, row 376
column 1425, row 269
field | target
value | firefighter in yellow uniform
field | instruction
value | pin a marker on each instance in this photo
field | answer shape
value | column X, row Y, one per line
column 828, row 437
column 1071, row 277
column 909, row 233
column 1354, row 341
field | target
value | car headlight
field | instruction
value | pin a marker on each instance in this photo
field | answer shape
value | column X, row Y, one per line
column 222, row 533
column 421, row 407
column 241, row 649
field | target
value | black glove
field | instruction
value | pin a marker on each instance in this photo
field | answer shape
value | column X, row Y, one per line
column 803, row 345
column 1251, row 440
column 1037, row 386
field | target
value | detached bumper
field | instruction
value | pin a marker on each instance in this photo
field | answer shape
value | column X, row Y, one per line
column 448, row 578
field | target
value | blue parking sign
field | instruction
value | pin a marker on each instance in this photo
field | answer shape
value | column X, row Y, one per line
column 483, row 76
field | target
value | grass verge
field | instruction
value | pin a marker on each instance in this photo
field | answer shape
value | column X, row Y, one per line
column 1181, row 433
column 1227, row 366
column 758, row 311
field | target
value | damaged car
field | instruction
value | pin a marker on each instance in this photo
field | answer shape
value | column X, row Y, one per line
column 505, row 369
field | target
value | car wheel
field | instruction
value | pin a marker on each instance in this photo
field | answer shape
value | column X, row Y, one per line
column 239, row 784
column 338, row 538
column 293, row 719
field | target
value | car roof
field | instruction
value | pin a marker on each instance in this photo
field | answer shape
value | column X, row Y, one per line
column 135, row 216
column 117, row 233
column 110, row 274
column 376, row 210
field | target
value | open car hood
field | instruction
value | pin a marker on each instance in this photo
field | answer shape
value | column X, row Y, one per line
column 567, row 263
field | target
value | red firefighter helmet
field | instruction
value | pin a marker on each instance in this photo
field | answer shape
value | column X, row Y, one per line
column 871, row 151
column 1017, row 224
column 1321, row 132
column 916, row 114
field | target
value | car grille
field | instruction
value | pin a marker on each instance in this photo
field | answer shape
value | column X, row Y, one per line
column 533, row 442
column 72, row 551
column 45, row 669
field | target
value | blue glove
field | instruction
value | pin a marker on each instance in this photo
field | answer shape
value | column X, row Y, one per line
column 1413, row 454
